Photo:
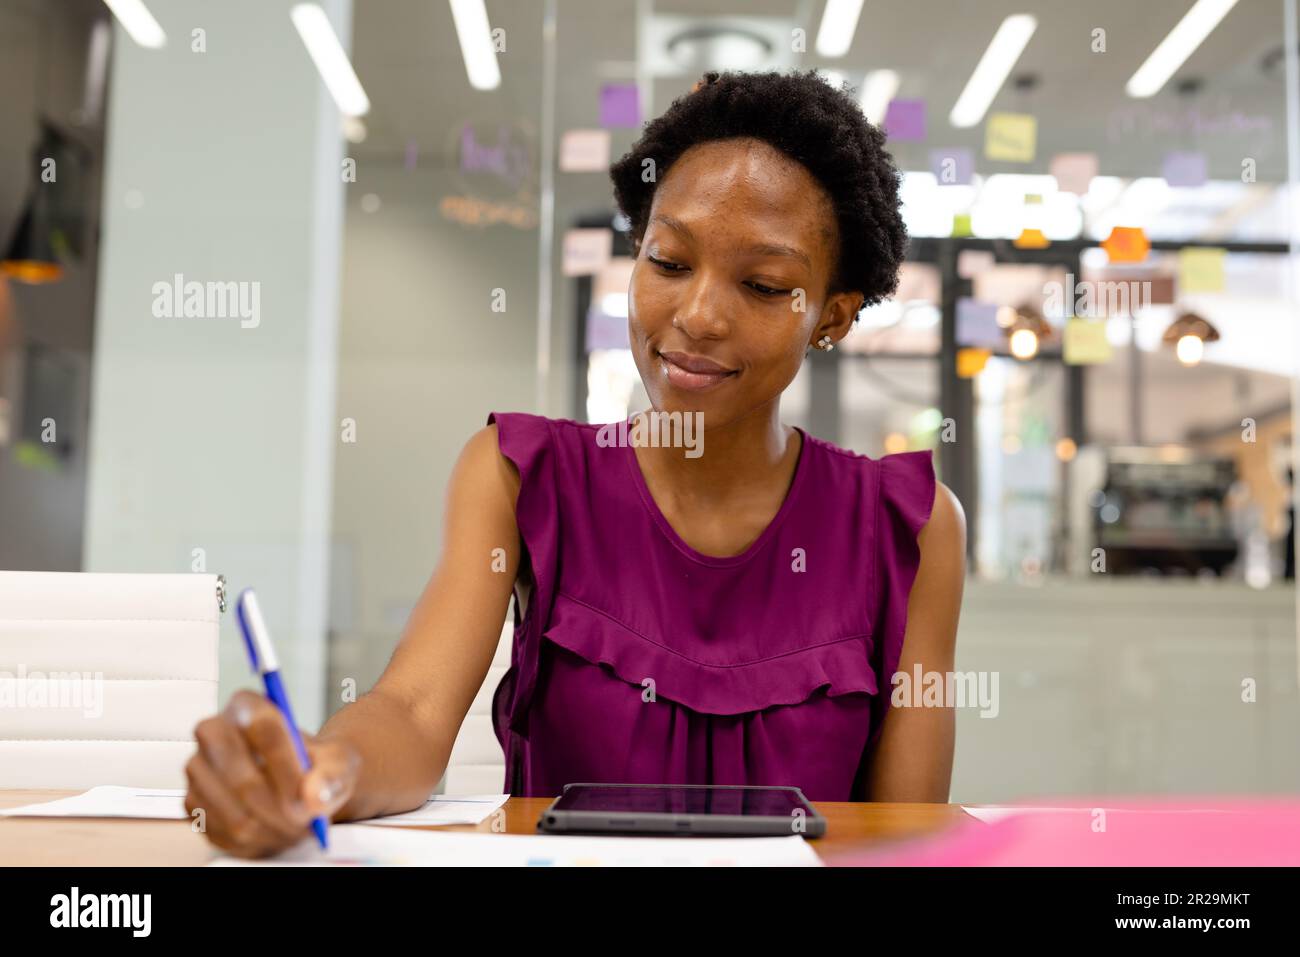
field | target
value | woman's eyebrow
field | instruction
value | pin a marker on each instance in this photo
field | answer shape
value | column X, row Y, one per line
column 778, row 249
column 762, row 249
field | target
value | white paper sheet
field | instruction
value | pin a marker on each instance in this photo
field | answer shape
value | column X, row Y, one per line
column 444, row 809
column 357, row 845
column 110, row 800
column 169, row 804
column 991, row 814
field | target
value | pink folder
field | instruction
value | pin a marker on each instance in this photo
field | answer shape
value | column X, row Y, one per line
column 1109, row 832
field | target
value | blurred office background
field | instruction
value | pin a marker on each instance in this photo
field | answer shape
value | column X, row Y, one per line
column 440, row 242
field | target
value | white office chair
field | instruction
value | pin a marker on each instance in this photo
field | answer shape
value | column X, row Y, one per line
column 104, row 676
column 476, row 765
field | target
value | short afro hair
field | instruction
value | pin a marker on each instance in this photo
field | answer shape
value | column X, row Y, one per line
column 812, row 122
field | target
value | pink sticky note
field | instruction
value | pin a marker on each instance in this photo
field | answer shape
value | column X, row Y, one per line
column 1074, row 171
column 584, row 151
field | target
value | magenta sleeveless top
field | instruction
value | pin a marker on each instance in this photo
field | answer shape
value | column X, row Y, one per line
column 640, row 660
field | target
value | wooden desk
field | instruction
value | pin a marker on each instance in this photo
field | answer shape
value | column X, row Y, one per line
column 92, row 842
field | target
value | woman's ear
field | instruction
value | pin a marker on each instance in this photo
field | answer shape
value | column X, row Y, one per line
column 837, row 317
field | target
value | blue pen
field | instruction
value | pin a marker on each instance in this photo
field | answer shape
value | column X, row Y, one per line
column 262, row 656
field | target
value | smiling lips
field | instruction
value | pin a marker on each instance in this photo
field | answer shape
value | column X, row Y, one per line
column 694, row 373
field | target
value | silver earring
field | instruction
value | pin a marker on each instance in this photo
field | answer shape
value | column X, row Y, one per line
column 825, row 344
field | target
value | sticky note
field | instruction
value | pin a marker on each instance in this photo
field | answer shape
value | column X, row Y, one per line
column 971, row 362
column 1031, row 238
column 1084, row 342
column 1126, row 244
column 584, row 151
column 1200, row 269
column 1074, row 171
column 972, row 262
column 961, row 224
column 605, row 331
column 620, row 105
column 977, row 323
column 1185, row 169
column 905, row 120
column 1011, row 136
column 953, row 166
column 586, row 251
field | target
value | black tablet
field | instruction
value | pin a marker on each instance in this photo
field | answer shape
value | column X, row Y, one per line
column 690, row 809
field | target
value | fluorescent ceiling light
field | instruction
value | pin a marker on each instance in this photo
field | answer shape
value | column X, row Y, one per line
column 839, row 23
column 878, row 88
column 138, row 22
column 327, row 53
column 475, row 35
column 1174, row 49
column 993, row 69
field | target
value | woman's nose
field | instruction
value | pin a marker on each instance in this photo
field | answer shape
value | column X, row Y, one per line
column 701, row 314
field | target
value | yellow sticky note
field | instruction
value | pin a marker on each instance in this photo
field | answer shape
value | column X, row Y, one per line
column 970, row 362
column 961, row 224
column 1011, row 136
column 1085, row 342
column 1200, row 270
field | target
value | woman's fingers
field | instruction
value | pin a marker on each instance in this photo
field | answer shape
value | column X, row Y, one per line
column 329, row 783
column 248, row 779
column 266, row 735
column 226, row 822
column 224, row 748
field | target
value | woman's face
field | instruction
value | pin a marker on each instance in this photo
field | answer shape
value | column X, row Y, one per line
column 728, row 289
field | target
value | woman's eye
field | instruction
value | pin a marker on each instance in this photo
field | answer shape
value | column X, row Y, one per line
column 664, row 264
column 762, row 290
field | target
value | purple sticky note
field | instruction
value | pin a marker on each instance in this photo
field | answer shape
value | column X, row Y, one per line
column 952, row 166
column 620, row 106
column 905, row 120
column 1185, row 169
column 977, row 324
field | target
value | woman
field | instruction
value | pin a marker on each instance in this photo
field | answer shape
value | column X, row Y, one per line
column 732, row 612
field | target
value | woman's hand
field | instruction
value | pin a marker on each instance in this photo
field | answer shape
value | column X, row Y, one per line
column 245, row 779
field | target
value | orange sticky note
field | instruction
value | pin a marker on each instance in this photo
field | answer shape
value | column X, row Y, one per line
column 1031, row 239
column 1126, row 244
column 970, row 362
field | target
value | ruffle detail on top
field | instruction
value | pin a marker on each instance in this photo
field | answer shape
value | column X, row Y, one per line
column 905, row 501
column 838, row 667
column 527, row 442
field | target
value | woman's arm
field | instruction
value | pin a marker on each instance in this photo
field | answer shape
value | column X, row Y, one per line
column 404, row 728
column 386, row 751
column 913, row 757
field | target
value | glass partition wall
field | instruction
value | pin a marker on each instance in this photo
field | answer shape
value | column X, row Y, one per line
column 1094, row 330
